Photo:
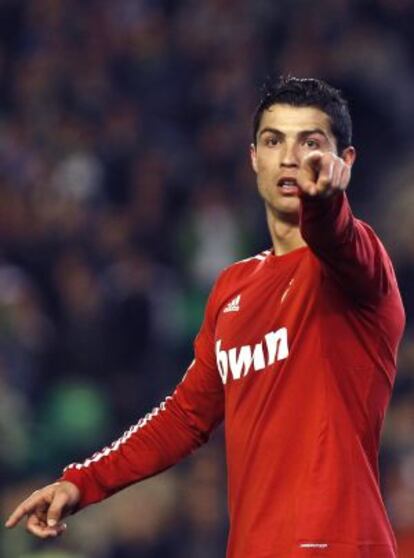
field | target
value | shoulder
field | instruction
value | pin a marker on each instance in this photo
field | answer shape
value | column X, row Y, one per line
column 236, row 276
column 243, row 268
column 381, row 257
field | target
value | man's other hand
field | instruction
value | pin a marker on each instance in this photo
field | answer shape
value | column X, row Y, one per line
column 45, row 509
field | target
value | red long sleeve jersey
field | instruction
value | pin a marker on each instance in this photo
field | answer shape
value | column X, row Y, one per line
column 298, row 354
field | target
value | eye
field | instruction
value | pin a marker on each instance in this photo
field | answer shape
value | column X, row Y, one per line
column 312, row 143
column 271, row 141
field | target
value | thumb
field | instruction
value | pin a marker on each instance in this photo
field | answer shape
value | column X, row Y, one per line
column 56, row 508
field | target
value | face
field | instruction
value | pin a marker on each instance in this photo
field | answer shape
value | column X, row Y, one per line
column 286, row 135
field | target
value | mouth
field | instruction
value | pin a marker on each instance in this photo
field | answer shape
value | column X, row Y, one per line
column 289, row 186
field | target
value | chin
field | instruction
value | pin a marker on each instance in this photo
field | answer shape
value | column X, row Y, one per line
column 288, row 205
column 284, row 212
column 282, row 205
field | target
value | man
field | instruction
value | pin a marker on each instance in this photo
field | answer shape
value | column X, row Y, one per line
column 297, row 352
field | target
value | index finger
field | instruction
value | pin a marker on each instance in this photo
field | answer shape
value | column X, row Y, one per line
column 310, row 169
column 26, row 507
column 313, row 160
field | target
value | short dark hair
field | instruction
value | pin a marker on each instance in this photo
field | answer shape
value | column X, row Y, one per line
column 307, row 92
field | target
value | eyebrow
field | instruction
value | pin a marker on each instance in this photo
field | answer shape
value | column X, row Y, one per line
column 305, row 133
column 302, row 134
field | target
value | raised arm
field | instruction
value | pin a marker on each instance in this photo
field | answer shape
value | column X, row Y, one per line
column 159, row 440
column 348, row 247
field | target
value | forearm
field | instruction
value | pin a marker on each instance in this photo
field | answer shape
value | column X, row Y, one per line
column 348, row 248
column 180, row 425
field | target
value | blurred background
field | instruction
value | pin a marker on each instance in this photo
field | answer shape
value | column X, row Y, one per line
column 124, row 187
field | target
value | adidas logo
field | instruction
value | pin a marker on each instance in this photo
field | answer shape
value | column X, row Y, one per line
column 233, row 305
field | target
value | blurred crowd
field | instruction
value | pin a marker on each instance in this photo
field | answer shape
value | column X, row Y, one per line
column 124, row 188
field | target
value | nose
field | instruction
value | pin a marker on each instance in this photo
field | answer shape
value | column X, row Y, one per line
column 289, row 157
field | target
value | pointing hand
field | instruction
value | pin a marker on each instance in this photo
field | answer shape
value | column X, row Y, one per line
column 46, row 508
column 322, row 174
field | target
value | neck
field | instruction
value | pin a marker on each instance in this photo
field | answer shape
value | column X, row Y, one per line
column 285, row 232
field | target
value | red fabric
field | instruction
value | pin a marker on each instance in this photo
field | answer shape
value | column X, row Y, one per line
column 298, row 353
column 405, row 540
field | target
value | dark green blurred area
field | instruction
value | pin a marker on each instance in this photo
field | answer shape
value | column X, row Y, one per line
column 124, row 188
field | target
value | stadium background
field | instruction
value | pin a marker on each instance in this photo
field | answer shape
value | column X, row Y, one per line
column 124, row 186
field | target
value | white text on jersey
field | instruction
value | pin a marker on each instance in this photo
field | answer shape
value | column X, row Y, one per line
column 240, row 360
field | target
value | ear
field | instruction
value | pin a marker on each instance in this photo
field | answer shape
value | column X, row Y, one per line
column 253, row 157
column 349, row 155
